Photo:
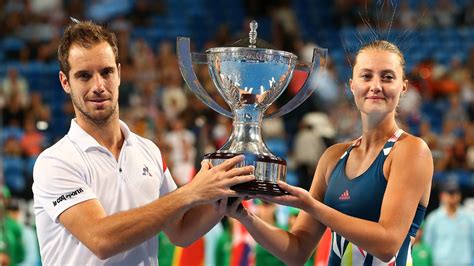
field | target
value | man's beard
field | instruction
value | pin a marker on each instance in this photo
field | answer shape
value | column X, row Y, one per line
column 99, row 120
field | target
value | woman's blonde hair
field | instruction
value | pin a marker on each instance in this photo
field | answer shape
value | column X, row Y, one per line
column 383, row 45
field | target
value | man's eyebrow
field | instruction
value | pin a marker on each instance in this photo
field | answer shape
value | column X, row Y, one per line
column 108, row 68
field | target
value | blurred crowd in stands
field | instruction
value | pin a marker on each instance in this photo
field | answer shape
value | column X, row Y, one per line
column 437, row 37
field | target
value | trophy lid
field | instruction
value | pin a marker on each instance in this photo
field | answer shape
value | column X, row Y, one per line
column 244, row 43
column 251, row 43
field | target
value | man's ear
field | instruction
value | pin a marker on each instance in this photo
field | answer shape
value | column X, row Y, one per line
column 64, row 82
column 119, row 70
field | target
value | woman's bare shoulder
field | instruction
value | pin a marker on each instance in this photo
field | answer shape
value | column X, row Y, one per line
column 411, row 150
column 337, row 150
column 332, row 155
column 410, row 144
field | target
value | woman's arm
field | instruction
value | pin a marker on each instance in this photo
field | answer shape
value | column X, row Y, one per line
column 297, row 245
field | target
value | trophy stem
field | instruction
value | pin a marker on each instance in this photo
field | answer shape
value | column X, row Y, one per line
column 246, row 136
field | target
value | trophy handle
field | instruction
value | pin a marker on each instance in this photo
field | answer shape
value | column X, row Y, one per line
column 186, row 60
column 309, row 86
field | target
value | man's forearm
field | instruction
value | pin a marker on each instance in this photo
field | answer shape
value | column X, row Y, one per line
column 119, row 232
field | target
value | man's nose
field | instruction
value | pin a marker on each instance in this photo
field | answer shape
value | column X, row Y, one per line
column 99, row 84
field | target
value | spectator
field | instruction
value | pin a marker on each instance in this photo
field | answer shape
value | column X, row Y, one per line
column 421, row 251
column 407, row 18
column 273, row 128
column 456, row 112
column 457, row 155
column 449, row 230
column 345, row 122
column 165, row 56
column 38, row 110
column 274, row 134
column 11, row 242
column 310, row 135
column 445, row 13
column 33, row 141
column 221, row 131
column 285, row 16
column 14, row 167
column 409, row 107
column 13, row 113
column 183, row 153
column 28, row 234
column 15, row 84
column 174, row 100
column 143, row 60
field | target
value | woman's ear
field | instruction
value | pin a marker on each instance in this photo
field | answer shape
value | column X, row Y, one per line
column 405, row 87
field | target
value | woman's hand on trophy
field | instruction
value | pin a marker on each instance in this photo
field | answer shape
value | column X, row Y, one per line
column 297, row 197
column 235, row 209
column 213, row 182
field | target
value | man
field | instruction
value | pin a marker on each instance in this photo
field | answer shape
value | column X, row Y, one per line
column 102, row 193
column 449, row 230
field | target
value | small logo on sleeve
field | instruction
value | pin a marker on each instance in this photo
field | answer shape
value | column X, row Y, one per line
column 67, row 196
column 345, row 195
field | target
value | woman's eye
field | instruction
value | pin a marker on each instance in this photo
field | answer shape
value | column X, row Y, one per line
column 388, row 78
column 366, row 76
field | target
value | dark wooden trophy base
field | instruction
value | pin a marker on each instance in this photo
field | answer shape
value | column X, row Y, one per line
column 259, row 186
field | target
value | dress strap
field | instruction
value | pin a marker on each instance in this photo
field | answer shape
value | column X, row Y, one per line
column 354, row 143
column 396, row 135
column 388, row 146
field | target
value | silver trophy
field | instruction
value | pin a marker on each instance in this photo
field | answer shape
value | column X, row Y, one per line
column 249, row 79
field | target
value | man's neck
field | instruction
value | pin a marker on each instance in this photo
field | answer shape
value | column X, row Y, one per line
column 108, row 135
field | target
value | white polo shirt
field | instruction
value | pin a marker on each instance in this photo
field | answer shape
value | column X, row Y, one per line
column 77, row 168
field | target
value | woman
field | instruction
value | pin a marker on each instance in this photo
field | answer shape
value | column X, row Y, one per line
column 371, row 192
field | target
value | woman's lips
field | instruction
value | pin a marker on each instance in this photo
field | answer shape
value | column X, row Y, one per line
column 375, row 98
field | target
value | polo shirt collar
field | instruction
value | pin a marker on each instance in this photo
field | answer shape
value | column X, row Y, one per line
column 86, row 141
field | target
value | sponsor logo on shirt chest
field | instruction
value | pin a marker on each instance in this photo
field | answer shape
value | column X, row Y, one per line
column 345, row 195
column 146, row 171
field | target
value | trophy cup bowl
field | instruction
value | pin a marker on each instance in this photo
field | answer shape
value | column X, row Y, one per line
column 249, row 79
